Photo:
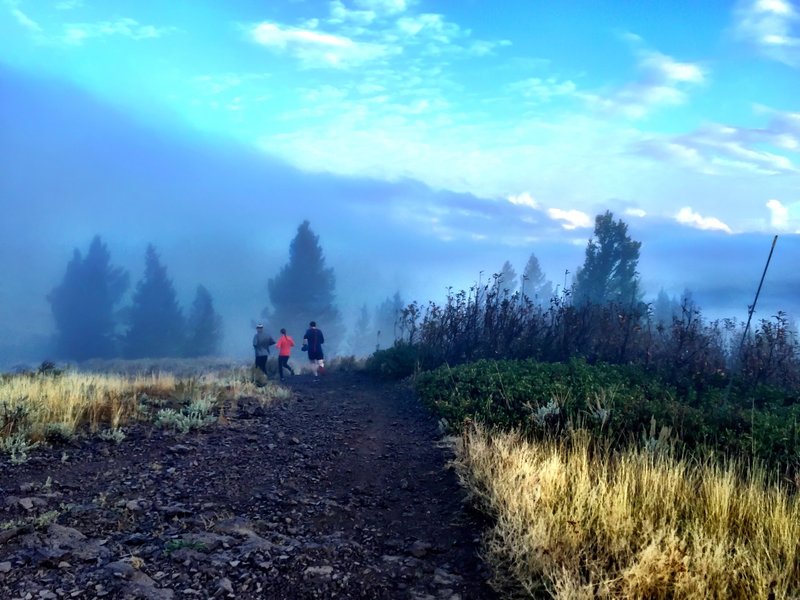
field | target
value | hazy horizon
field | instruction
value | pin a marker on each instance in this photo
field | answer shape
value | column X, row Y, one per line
column 426, row 144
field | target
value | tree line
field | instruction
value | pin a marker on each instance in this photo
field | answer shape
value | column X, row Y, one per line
column 91, row 323
column 92, row 320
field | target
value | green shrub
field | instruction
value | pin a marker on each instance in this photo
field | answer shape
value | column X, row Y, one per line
column 397, row 362
column 615, row 402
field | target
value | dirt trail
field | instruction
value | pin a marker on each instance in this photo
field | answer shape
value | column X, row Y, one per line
column 340, row 492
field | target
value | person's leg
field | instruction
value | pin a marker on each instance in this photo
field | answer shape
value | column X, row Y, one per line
column 281, row 364
column 261, row 363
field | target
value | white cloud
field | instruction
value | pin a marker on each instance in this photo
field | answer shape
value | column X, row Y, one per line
column 635, row 212
column 315, row 48
column 686, row 216
column 77, row 33
column 26, row 21
column 779, row 214
column 384, row 7
column 663, row 81
column 716, row 149
column 573, row 219
column 429, row 25
column 341, row 14
column 543, row 90
column 772, row 27
column 523, row 199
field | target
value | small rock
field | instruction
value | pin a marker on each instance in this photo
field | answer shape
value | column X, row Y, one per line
column 120, row 569
column 324, row 571
column 26, row 503
column 5, row 567
column 419, row 549
column 224, row 585
column 295, row 441
column 179, row 449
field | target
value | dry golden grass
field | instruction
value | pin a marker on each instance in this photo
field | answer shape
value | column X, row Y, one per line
column 575, row 524
column 73, row 400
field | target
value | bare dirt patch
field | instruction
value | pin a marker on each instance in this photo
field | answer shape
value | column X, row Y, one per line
column 341, row 491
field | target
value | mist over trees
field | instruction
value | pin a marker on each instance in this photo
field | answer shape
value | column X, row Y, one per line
column 304, row 291
column 387, row 321
column 507, row 278
column 609, row 270
column 156, row 321
column 89, row 321
column 83, row 304
column 362, row 338
column 204, row 326
column 535, row 285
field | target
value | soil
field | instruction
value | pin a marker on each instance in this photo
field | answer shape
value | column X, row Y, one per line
column 342, row 491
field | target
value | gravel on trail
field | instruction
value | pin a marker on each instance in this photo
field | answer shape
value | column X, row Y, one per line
column 341, row 491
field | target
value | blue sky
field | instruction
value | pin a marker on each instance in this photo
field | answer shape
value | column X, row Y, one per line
column 462, row 133
column 682, row 110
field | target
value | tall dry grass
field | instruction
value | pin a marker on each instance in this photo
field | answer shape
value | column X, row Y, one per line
column 73, row 400
column 576, row 522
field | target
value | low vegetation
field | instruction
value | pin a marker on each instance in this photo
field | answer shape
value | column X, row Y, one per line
column 576, row 521
column 53, row 406
column 619, row 454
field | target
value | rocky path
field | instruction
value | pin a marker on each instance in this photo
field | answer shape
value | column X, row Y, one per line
column 340, row 492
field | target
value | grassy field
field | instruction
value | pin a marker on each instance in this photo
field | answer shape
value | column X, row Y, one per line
column 38, row 408
column 573, row 522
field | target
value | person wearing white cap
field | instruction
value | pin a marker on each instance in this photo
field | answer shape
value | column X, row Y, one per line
column 261, row 343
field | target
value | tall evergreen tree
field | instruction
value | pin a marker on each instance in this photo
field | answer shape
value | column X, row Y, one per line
column 387, row 321
column 362, row 340
column 507, row 279
column 534, row 283
column 203, row 327
column 83, row 304
column 609, row 271
column 665, row 308
column 156, row 321
column 303, row 291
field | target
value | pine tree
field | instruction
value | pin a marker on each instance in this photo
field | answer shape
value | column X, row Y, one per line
column 534, row 284
column 303, row 291
column 83, row 304
column 156, row 322
column 609, row 271
column 507, row 279
column 362, row 341
column 387, row 317
column 204, row 326
column 665, row 308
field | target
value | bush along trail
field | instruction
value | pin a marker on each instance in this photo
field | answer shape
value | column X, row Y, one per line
column 341, row 491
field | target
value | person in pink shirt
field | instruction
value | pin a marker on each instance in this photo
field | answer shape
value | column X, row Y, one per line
column 284, row 345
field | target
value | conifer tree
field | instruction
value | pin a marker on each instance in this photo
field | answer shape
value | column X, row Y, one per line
column 535, row 285
column 609, row 271
column 507, row 279
column 204, row 326
column 387, row 321
column 83, row 304
column 362, row 341
column 665, row 308
column 156, row 321
column 304, row 291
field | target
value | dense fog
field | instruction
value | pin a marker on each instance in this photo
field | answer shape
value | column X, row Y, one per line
column 222, row 216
